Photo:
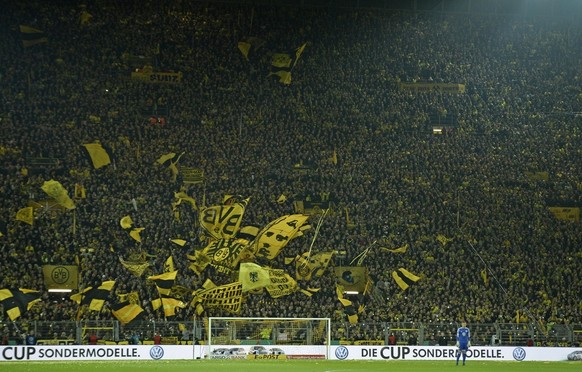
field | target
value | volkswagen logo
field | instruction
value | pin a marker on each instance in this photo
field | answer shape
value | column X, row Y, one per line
column 157, row 352
column 519, row 354
column 341, row 352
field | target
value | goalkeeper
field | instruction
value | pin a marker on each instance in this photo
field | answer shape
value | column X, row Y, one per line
column 463, row 341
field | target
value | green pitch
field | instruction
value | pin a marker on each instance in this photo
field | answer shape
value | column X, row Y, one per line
column 289, row 365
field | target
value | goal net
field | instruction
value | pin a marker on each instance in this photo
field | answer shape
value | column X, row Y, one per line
column 268, row 338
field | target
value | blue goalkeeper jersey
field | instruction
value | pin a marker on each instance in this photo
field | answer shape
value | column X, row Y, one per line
column 463, row 337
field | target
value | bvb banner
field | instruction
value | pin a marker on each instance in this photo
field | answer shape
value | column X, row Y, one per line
column 433, row 87
column 61, row 276
column 157, row 77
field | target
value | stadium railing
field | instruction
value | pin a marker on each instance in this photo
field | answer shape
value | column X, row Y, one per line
column 378, row 333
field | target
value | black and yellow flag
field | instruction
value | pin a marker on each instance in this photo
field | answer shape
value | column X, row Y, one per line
column 225, row 254
column 227, row 297
column 404, row 278
column 26, row 215
column 94, row 297
column 198, row 261
column 311, row 267
column 169, row 264
column 127, row 312
column 349, row 308
column 284, row 76
column 137, row 268
column 282, row 64
column 131, row 297
column 99, row 157
column 61, row 276
column 282, row 284
column 222, row 221
column 17, row 301
column 182, row 196
column 352, row 278
column 250, row 46
column 32, row 36
column 168, row 304
column 164, row 282
column 281, row 60
column 277, row 234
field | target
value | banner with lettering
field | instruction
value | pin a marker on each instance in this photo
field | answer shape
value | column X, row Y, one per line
column 433, row 87
column 61, row 276
column 157, row 77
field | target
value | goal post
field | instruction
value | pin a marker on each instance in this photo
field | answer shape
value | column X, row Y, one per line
column 268, row 338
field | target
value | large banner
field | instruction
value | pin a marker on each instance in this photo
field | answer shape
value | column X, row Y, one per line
column 491, row 353
column 22, row 353
column 566, row 213
column 98, row 352
column 61, row 276
column 158, row 77
column 433, row 87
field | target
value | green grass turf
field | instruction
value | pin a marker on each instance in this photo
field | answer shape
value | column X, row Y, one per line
column 289, row 365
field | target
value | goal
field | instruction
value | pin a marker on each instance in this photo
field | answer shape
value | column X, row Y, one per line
column 268, row 338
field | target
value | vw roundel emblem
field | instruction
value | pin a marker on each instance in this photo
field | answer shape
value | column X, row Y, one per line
column 519, row 354
column 157, row 352
column 341, row 352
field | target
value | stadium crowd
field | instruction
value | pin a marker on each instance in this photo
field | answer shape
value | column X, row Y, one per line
column 392, row 183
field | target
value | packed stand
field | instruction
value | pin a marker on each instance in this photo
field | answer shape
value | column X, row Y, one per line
column 400, row 183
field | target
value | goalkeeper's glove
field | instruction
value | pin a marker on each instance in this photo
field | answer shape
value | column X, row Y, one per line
column 469, row 344
column 457, row 344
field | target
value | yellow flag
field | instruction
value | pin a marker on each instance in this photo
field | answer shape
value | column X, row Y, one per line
column 180, row 242
column 137, row 268
column 182, row 196
column 443, row 239
column 25, row 215
column 284, row 76
column 99, row 156
column 298, row 53
column 253, row 276
column 402, row 249
column 169, row 305
column 126, row 222
column 484, row 277
column 169, row 264
column 281, row 60
column 164, row 158
column 135, row 233
column 244, row 48
column 55, row 190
